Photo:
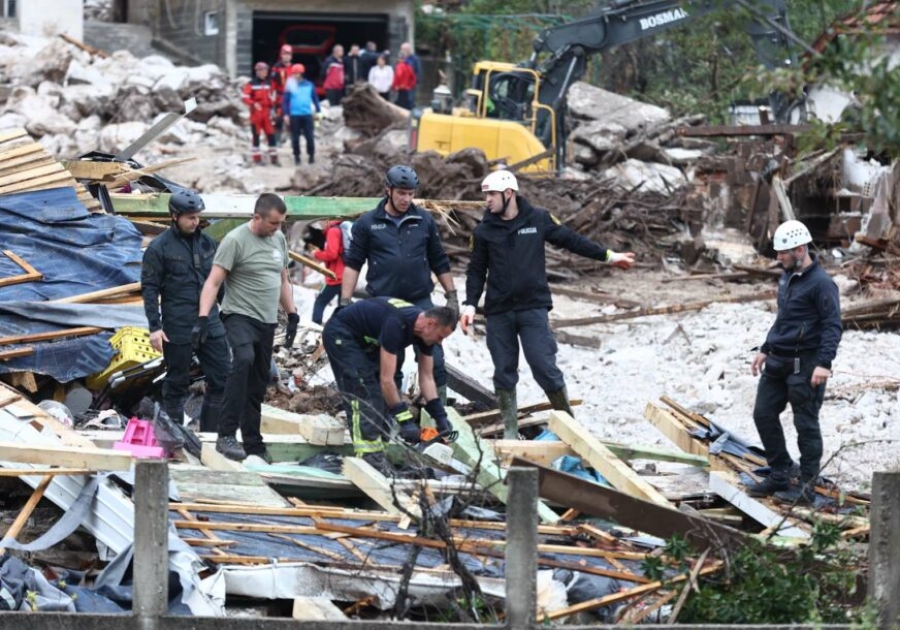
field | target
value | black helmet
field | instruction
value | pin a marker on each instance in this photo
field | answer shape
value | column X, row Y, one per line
column 401, row 177
column 185, row 200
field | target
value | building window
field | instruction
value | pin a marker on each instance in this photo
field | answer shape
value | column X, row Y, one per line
column 211, row 23
column 9, row 8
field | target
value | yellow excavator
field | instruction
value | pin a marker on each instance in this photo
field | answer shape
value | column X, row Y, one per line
column 516, row 112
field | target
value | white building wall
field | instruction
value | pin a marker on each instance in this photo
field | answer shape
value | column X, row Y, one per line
column 52, row 17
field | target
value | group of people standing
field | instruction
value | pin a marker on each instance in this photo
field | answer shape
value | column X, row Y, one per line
column 281, row 96
column 184, row 275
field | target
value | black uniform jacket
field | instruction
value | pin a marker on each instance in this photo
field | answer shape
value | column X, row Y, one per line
column 511, row 255
column 175, row 268
column 809, row 316
column 401, row 257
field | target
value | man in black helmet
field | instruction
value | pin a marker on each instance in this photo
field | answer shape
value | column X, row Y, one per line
column 175, row 267
column 402, row 246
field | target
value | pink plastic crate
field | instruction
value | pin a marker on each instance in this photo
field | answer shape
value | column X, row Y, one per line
column 140, row 440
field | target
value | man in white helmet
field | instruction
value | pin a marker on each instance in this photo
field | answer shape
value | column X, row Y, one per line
column 508, row 253
column 794, row 364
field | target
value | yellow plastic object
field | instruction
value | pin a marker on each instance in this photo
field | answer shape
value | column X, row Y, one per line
column 499, row 139
column 132, row 346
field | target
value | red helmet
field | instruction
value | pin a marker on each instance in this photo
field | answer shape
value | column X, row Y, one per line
column 261, row 65
column 298, row 68
column 287, row 48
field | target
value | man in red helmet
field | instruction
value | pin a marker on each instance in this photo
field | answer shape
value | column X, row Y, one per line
column 300, row 105
column 259, row 98
column 281, row 70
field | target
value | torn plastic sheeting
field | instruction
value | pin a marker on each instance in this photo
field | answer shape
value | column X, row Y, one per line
column 290, row 580
column 76, row 251
column 70, row 315
column 63, row 359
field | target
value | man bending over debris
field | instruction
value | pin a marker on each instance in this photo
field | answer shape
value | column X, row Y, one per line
column 176, row 264
column 508, row 251
column 402, row 245
column 794, row 364
column 363, row 342
column 252, row 262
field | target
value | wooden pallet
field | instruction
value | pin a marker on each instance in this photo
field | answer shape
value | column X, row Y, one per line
column 26, row 166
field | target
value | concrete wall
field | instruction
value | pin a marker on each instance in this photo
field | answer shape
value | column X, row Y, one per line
column 51, row 17
column 181, row 24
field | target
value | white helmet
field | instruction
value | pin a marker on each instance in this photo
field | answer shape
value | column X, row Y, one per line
column 498, row 181
column 789, row 235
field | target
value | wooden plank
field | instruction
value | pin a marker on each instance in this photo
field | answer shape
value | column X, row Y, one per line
column 198, row 484
column 759, row 512
column 8, row 395
column 478, row 454
column 377, row 487
column 85, row 298
column 484, row 417
column 312, row 263
column 14, row 134
column 617, row 472
column 544, row 452
column 24, row 380
column 80, row 331
column 321, row 430
column 316, row 609
column 25, row 513
column 35, row 173
column 465, row 385
column 31, row 274
column 24, row 164
column 92, row 458
column 24, row 150
column 57, row 180
column 664, row 420
column 18, row 352
column 98, row 171
column 213, row 459
column 23, row 472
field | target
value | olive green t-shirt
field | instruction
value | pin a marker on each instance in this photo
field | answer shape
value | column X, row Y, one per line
column 254, row 265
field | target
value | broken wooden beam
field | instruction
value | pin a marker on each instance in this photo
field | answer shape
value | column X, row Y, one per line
column 320, row 430
column 31, row 274
column 593, row 452
column 467, row 386
column 79, row 331
column 378, row 488
column 47, row 455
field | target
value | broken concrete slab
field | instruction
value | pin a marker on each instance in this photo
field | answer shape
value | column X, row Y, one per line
column 592, row 103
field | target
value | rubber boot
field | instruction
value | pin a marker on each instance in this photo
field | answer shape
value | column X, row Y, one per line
column 559, row 399
column 509, row 412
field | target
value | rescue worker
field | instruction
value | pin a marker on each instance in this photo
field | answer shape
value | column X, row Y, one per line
column 794, row 365
column 281, row 71
column 175, row 266
column 333, row 73
column 402, row 246
column 508, row 252
column 413, row 61
column 332, row 254
column 252, row 263
column 259, row 97
column 301, row 110
column 365, row 342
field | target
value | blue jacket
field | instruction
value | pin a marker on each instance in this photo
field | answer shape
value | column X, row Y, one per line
column 809, row 316
column 510, row 254
column 300, row 98
column 401, row 257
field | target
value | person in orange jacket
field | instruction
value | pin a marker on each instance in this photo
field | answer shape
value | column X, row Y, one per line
column 332, row 254
column 258, row 97
column 404, row 82
column 281, row 71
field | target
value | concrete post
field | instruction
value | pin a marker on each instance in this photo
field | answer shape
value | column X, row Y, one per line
column 884, row 548
column 521, row 548
column 151, row 548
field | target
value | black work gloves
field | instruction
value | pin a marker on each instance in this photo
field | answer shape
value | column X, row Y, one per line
column 409, row 430
column 453, row 302
column 291, row 332
column 435, row 409
column 199, row 332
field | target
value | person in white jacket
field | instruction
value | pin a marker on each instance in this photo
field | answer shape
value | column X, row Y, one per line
column 381, row 76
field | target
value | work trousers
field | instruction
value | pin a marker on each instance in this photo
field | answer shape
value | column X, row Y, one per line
column 786, row 380
column 245, row 388
column 440, row 369
column 328, row 293
column 532, row 326
column 405, row 99
column 213, row 355
column 334, row 96
column 307, row 126
column 356, row 373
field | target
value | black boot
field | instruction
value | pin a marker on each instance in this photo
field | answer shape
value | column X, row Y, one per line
column 379, row 462
column 229, row 447
column 777, row 481
column 803, row 493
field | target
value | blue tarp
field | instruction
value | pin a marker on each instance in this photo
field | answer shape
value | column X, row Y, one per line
column 78, row 252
